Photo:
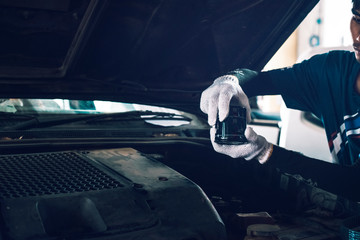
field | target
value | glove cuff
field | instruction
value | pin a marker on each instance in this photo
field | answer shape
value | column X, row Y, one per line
column 243, row 75
column 227, row 78
column 266, row 153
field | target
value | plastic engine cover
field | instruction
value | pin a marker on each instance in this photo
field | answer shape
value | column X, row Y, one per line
column 102, row 194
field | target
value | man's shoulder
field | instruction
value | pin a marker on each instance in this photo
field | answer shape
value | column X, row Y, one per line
column 333, row 57
column 341, row 53
column 334, row 54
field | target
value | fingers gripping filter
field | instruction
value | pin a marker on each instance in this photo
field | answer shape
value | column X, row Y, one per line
column 231, row 130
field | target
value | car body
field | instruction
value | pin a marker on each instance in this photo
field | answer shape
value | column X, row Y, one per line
column 102, row 136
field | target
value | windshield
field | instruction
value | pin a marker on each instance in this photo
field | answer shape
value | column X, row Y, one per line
column 66, row 107
column 16, row 105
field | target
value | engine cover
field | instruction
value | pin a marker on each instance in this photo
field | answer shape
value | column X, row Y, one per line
column 101, row 194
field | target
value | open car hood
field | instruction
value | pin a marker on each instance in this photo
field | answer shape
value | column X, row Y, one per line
column 146, row 51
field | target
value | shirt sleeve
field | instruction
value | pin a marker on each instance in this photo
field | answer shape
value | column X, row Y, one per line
column 309, row 168
column 301, row 85
column 312, row 85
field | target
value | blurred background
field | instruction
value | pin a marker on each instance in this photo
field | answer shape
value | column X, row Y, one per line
column 326, row 27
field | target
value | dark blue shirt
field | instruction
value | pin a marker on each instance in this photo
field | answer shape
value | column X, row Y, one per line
column 325, row 86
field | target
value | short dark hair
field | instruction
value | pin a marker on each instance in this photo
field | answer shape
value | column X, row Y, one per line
column 356, row 4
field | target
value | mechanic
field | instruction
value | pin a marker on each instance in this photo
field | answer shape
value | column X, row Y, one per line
column 328, row 85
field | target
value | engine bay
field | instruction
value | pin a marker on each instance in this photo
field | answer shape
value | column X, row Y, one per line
column 101, row 193
column 172, row 191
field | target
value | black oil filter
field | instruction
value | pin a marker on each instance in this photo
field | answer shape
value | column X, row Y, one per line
column 231, row 130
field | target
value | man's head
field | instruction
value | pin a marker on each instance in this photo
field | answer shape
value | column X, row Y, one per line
column 355, row 28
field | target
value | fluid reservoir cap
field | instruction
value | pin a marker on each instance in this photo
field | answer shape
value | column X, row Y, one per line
column 262, row 230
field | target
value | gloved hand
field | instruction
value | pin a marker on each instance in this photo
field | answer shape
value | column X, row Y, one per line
column 216, row 98
column 256, row 148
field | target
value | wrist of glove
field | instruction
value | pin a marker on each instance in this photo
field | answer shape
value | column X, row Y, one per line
column 256, row 148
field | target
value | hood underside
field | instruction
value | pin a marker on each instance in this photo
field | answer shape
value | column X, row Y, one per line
column 147, row 51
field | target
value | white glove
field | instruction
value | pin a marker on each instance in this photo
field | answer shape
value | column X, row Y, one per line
column 256, row 148
column 217, row 97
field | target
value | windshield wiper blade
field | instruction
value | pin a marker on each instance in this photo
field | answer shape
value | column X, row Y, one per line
column 140, row 115
column 12, row 115
column 48, row 121
column 8, row 119
column 42, row 121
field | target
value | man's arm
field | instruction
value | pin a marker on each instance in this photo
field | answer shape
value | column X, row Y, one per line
column 340, row 180
column 260, row 84
column 236, row 86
